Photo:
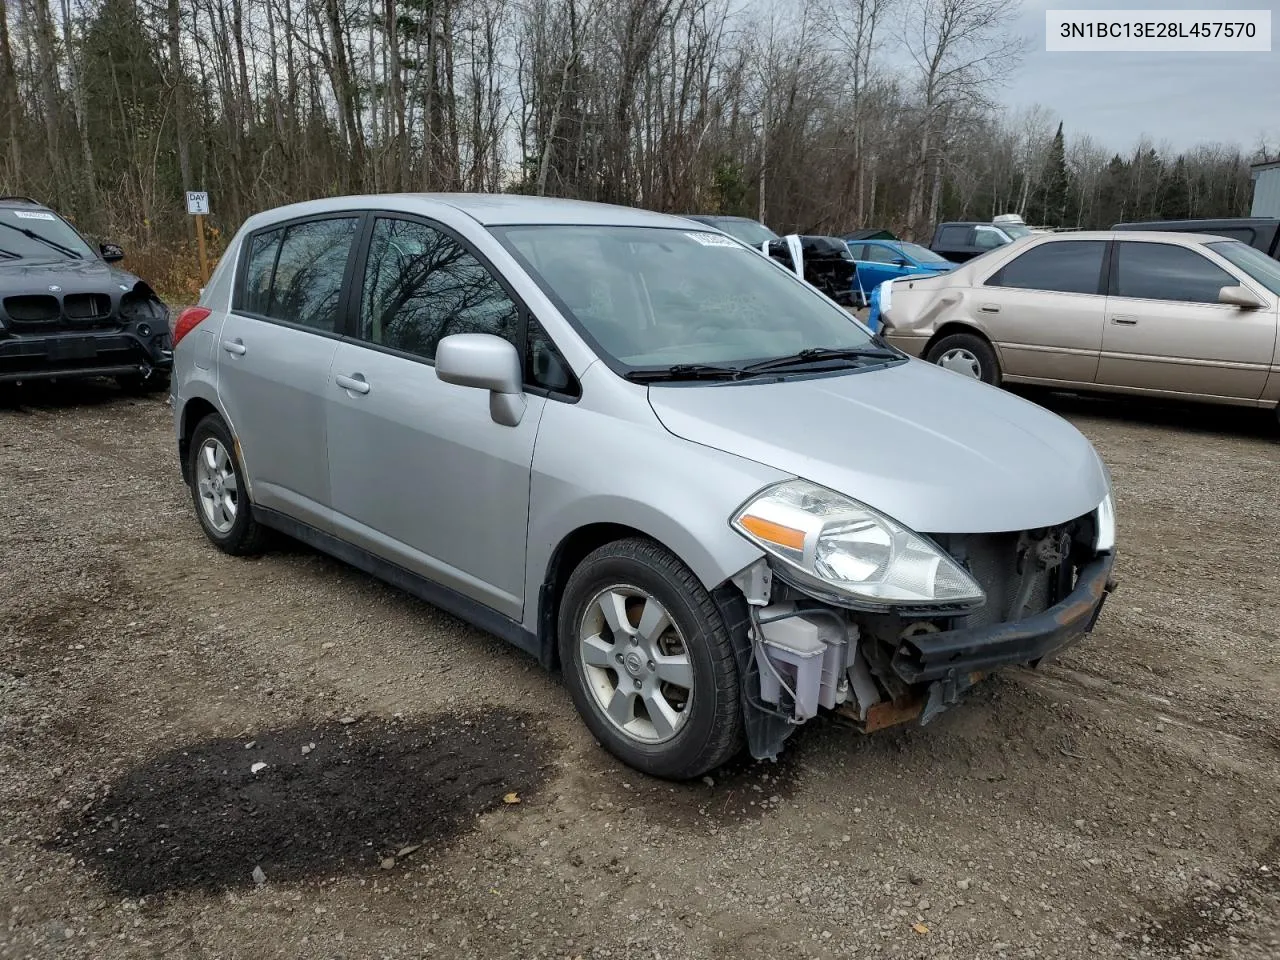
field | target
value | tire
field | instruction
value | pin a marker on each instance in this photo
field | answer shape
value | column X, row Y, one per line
column 218, row 490
column 969, row 354
column 675, row 688
column 138, row 385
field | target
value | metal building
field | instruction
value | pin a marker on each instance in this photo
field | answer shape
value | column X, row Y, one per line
column 1266, row 189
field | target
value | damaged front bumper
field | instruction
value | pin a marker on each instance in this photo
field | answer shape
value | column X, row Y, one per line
column 62, row 356
column 879, row 671
column 938, row 656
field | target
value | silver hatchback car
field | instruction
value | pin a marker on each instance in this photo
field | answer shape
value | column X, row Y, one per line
column 641, row 452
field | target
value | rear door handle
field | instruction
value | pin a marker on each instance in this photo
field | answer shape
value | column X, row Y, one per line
column 989, row 308
column 1125, row 321
column 235, row 346
column 355, row 383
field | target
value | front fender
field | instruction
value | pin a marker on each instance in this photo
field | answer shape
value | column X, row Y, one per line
column 589, row 471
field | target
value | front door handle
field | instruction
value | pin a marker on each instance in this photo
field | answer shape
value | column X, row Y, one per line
column 989, row 308
column 355, row 383
column 1125, row 321
column 235, row 346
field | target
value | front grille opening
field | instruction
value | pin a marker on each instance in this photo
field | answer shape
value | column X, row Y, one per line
column 32, row 308
column 86, row 306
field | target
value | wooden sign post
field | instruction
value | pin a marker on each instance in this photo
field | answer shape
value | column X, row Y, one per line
column 198, row 206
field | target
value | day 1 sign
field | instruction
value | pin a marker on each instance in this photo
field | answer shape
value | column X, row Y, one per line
column 198, row 207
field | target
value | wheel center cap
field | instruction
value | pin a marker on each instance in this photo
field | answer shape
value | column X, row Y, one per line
column 634, row 663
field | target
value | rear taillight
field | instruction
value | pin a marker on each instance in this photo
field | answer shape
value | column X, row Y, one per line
column 188, row 320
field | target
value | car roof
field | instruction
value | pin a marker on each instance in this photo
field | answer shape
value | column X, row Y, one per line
column 22, row 202
column 1140, row 236
column 489, row 209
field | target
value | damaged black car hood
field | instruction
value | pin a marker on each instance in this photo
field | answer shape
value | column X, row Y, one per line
column 63, row 276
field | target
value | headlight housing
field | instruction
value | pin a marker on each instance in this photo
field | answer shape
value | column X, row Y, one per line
column 833, row 544
column 1104, row 540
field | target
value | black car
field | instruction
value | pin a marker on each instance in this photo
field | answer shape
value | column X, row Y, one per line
column 1261, row 233
column 66, row 311
column 827, row 262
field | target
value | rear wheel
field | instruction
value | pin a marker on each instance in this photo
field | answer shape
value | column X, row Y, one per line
column 649, row 662
column 968, row 354
column 218, row 490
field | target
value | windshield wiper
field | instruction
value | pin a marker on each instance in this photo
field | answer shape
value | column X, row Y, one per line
column 822, row 354
column 685, row 371
column 9, row 254
column 65, row 251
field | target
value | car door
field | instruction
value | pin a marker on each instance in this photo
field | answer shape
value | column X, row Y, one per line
column 879, row 264
column 1044, row 311
column 1167, row 331
column 274, row 353
column 421, row 475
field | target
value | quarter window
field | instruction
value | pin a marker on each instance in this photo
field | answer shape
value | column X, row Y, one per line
column 262, row 262
column 1066, row 266
column 420, row 285
column 1163, row 271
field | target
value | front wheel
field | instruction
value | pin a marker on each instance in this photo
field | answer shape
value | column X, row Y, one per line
column 968, row 354
column 649, row 662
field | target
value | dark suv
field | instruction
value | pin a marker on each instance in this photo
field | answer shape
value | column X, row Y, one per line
column 66, row 310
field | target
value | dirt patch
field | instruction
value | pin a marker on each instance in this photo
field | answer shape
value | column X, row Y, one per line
column 331, row 798
column 1212, row 909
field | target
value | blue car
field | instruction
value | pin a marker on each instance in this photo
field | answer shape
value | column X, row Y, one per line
column 881, row 260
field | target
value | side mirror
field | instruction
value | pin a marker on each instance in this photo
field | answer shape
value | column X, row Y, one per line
column 485, row 362
column 900, row 262
column 1241, row 297
column 111, row 252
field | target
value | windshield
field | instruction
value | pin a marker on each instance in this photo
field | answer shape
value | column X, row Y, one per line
column 38, row 235
column 922, row 254
column 748, row 231
column 1015, row 230
column 652, row 296
column 1251, row 260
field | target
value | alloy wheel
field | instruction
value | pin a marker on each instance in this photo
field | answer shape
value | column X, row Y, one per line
column 636, row 664
column 217, row 485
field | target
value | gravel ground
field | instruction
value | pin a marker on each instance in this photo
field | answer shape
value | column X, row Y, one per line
column 427, row 791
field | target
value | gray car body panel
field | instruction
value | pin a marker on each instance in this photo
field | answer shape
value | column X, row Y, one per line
column 608, row 460
column 926, row 446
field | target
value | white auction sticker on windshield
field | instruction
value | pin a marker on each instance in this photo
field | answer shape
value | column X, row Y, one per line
column 713, row 240
column 33, row 215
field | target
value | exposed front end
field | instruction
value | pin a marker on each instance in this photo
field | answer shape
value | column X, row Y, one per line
column 57, row 334
column 852, row 613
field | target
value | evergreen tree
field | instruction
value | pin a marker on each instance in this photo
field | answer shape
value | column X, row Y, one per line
column 1055, row 185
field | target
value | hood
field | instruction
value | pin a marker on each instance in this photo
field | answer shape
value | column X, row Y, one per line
column 937, row 451
column 72, row 276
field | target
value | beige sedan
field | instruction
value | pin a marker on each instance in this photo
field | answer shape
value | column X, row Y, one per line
column 1158, row 314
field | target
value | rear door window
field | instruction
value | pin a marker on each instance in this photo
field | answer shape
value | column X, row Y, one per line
column 1164, row 271
column 879, row 254
column 1067, row 266
column 953, row 237
column 988, row 238
column 295, row 273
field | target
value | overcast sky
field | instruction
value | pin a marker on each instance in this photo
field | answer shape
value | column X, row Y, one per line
column 1182, row 98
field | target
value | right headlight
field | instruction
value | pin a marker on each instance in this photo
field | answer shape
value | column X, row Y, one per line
column 834, row 544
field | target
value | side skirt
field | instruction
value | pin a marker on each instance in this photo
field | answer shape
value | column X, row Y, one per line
column 450, row 601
